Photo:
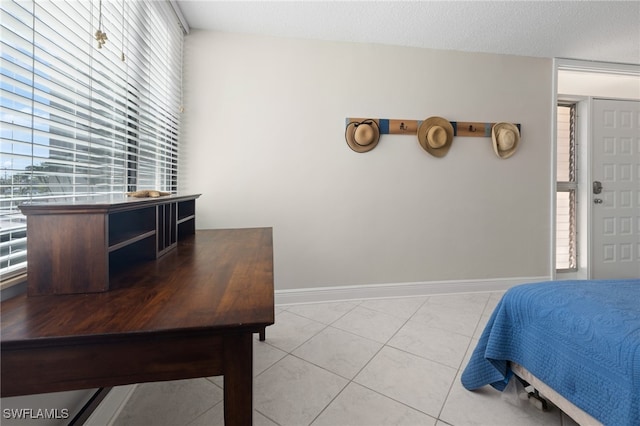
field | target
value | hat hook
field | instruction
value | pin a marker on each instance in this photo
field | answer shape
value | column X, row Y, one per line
column 366, row 121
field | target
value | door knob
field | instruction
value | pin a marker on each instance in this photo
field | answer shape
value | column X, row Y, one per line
column 597, row 187
column 597, row 200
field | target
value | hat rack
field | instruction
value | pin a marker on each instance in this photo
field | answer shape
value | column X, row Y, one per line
column 410, row 127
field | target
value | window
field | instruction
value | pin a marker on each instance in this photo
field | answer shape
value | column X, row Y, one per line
column 566, row 244
column 78, row 120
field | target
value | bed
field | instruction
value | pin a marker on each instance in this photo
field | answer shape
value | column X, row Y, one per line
column 577, row 342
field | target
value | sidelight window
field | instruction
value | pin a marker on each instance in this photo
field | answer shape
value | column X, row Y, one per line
column 566, row 189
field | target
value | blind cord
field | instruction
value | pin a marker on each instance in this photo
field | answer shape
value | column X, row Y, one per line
column 100, row 35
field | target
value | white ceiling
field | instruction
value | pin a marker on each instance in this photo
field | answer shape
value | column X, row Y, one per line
column 606, row 31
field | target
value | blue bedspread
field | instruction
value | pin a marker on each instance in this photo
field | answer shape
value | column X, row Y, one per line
column 582, row 338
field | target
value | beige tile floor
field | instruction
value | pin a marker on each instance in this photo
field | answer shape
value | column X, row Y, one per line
column 373, row 362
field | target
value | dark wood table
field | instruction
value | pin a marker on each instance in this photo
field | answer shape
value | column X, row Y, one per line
column 191, row 313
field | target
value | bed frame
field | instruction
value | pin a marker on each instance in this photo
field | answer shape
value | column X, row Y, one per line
column 578, row 415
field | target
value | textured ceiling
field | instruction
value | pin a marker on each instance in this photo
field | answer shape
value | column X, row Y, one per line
column 599, row 31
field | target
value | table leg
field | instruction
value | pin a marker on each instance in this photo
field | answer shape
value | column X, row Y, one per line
column 262, row 334
column 238, row 380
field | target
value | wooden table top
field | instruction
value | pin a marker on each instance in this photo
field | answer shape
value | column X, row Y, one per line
column 216, row 280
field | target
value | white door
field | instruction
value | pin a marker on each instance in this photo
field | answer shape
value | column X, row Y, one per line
column 615, row 191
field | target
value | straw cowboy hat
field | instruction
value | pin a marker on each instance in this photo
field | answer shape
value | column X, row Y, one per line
column 435, row 135
column 362, row 136
column 506, row 138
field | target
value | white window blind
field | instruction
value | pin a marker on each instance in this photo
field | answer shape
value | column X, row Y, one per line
column 78, row 120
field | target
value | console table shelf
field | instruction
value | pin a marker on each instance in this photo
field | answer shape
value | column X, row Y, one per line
column 113, row 246
column 184, row 219
column 74, row 245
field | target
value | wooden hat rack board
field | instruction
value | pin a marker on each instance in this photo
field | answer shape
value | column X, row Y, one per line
column 435, row 134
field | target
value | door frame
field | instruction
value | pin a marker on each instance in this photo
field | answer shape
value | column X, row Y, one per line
column 584, row 156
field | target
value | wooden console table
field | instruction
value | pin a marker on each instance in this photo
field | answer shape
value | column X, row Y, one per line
column 190, row 313
column 74, row 246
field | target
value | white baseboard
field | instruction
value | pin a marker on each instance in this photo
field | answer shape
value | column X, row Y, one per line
column 377, row 291
column 111, row 406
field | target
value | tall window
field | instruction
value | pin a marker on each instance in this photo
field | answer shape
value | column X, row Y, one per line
column 566, row 244
column 78, row 120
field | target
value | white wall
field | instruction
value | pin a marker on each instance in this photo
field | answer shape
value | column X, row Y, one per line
column 598, row 84
column 263, row 141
